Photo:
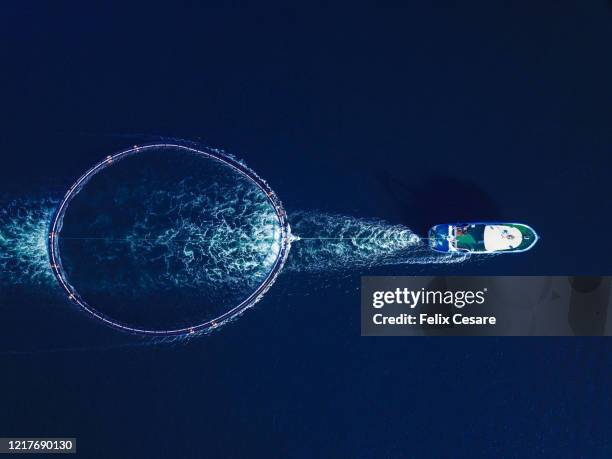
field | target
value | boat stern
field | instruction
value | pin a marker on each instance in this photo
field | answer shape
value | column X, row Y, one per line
column 438, row 237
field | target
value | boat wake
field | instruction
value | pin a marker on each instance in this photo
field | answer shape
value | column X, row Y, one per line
column 321, row 242
column 330, row 242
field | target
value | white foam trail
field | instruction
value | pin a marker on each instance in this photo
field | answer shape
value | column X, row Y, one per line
column 23, row 241
column 329, row 242
column 322, row 242
column 215, row 237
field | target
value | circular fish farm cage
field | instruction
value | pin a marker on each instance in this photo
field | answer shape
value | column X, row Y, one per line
column 168, row 239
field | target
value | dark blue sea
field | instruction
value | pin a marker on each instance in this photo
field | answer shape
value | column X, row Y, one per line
column 431, row 113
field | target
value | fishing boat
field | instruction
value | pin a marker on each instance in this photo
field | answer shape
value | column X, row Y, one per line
column 482, row 237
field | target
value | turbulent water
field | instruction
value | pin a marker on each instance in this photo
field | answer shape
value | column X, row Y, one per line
column 221, row 235
column 197, row 236
column 328, row 242
column 23, row 241
column 232, row 250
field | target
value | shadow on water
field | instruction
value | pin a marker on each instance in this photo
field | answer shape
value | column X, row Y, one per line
column 439, row 199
